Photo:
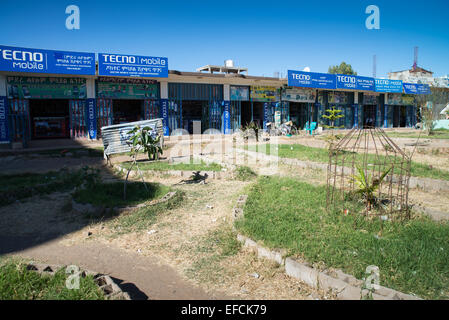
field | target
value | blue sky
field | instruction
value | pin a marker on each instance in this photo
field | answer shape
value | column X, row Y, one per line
column 263, row 36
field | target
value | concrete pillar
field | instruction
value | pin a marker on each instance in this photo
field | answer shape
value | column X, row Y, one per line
column 386, row 98
column 226, row 92
column 356, row 98
column 164, row 89
column 90, row 88
column 3, row 92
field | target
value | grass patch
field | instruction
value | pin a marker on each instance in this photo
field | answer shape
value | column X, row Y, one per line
column 211, row 250
column 244, row 173
column 111, row 194
column 18, row 283
column 165, row 166
column 305, row 153
column 437, row 134
column 143, row 218
column 412, row 257
column 22, row 186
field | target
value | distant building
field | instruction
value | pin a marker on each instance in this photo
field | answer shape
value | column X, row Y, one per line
column 414, row 75
column 420, row 75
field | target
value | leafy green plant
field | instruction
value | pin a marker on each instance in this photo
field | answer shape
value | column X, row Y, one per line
column 142, row 139
column 367, row 186
column 251, row 127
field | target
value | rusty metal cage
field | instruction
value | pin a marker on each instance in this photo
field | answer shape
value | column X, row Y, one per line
column 368, row 173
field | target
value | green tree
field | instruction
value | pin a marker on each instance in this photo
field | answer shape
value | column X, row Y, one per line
column 343, row 68
column 332, row 115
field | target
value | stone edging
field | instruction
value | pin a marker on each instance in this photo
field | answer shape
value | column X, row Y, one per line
column 110, row 289
column 345, row 286
column 90, row 208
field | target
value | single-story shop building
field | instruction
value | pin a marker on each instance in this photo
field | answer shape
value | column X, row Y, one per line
column 56, row 94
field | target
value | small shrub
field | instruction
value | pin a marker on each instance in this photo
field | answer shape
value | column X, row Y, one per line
column 244, row 173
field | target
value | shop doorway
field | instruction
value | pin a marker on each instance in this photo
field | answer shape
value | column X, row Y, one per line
column 125, row 111
column 192, row 111
column 396, row 116
column 258, row 113
column 49, row 118
column 298, row 114
column 403, row 116
column 369, row 116
column 246, row 113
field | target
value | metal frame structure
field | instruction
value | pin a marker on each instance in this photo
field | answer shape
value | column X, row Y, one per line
column 372, row 151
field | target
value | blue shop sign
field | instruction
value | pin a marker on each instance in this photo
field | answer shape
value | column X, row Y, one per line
column 415, row 88
column 389, row 86
column 355, row 83
column 46, row 61
column 91, row 118
column 311, row 80
column 132, row 66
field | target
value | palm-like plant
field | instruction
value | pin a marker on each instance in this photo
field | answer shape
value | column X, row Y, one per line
column 366, row 187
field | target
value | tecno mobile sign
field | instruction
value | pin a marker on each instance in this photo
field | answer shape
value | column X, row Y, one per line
column 132, row 66
column 46, row 61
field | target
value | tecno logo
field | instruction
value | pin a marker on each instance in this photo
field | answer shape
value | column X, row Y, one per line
column 383, row 81
column 346, row 79
column 18, row 55
column 304, row 77
column 119, row 59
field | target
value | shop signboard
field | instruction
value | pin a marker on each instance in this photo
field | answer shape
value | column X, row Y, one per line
column 394, row 99
column 46, row 88
column 91, row 118
column 132, row 66
column 4, row 128
column 226, row 117
column 263, row 93
column 337, row 97
column 416, row 88
column 164, row 113
column 389, row 86
column 239, row 93
column 299, row 95
column 355, row 83
column 370, row 99
column 311, row 80
column 127, row 88
column 15, row 59
column 397, row 99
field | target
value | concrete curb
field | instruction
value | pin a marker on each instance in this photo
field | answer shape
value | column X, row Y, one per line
column 110, row 289
column 345, row 286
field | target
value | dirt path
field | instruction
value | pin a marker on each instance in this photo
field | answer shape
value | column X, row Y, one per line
column 143, row 277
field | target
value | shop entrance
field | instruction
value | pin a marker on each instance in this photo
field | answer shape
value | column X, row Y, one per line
column 246, row 113
column 369, row 116
column 403, row 117
column 193, row 111
column 49, row 118
column 125, row 111
column 298, row 114
column 400, row 117
column 258, row 113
